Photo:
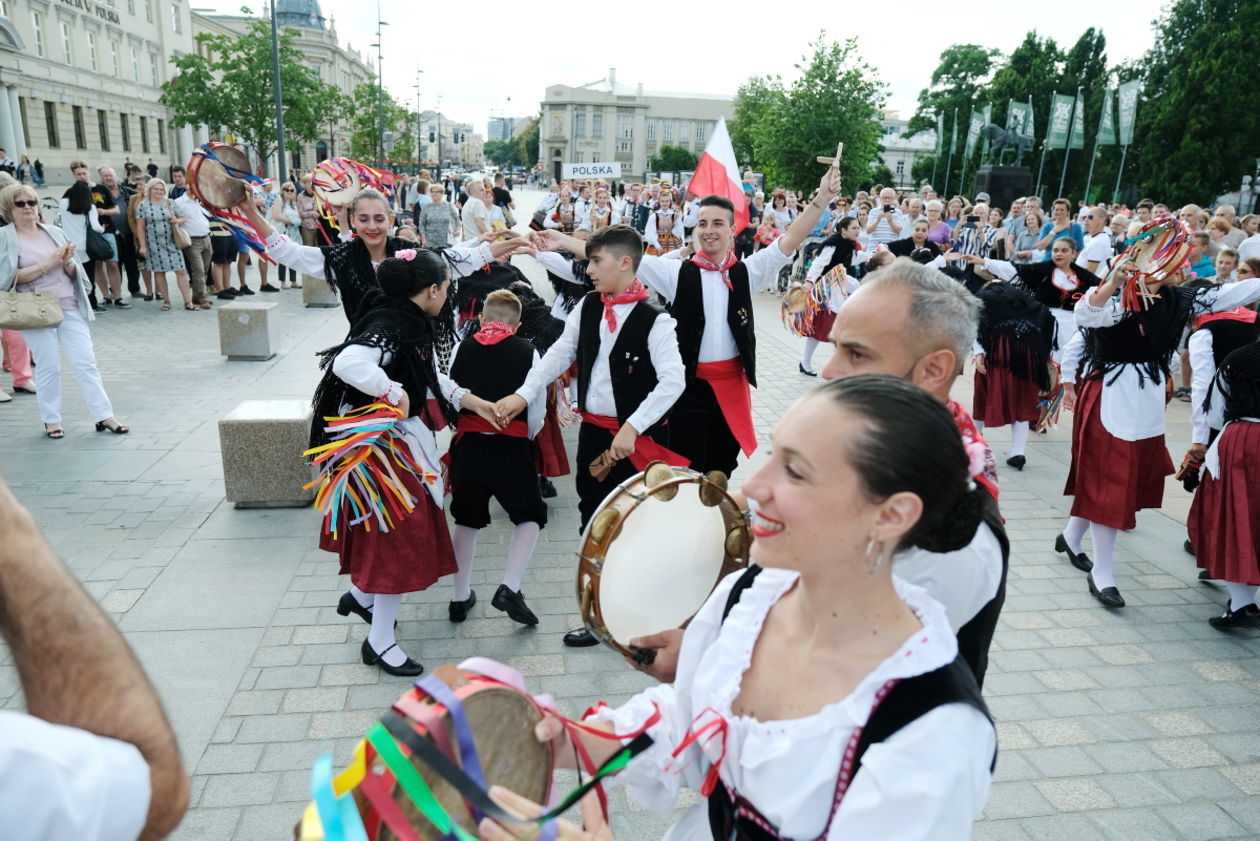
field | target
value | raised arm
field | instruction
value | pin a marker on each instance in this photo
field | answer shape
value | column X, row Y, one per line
column 828, row 189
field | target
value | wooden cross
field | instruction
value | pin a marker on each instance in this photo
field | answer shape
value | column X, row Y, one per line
column 833, row 161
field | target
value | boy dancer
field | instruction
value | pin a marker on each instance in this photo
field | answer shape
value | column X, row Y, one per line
column 630, row 374
column 486, row 461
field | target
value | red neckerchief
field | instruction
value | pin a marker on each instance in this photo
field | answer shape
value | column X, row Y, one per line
column 493, row 332
column 973, row 440
column 634, row 292
column 705, row 263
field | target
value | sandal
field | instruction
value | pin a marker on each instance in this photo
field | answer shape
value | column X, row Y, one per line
column 54, row 433
column 117, row 428
column 191, row 308
column 166, row 305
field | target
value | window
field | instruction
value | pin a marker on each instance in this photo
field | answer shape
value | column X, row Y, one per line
column 131, row 7
column 113, row 55
column 623, row 146
column 148, row 10
column 123, row 123
column 135, row 65
column 37, row 26
column 102, row 128
column 4, row 8
column 684, row 131
column 177, row 22
column 597, row 127
column 651, row 129
column 579, row 124
column 669, row 130
column 901, row 167
column 50, row 124
column 144, row 134
column 91, row 45
column 162, row 138
column 80, row 136
column 318, row 71
column 66, row 53
column 26, row 121
column 702, row 131
column 625, row 125
column 153, row 69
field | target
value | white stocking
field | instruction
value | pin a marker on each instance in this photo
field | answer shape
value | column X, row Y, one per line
column 520, row 550
column 1104, row 539
column 1074, row 531
column 1240, row 595
column 807, row 360
column 1019, row 437
column 465, row 540
column 979, row 424
column 381, row 637
column 364, row 599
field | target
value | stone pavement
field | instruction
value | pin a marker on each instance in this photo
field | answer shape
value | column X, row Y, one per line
column 1139, row 723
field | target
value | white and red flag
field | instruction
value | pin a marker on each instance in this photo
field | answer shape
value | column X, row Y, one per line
column 717, row 174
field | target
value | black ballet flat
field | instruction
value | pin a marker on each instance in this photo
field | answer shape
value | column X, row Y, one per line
column 408, row 669
column 1079, row 560
column 1244, row 617
column 458, row 611
column 1017, row 462
column 806, row 371
column 1109, row 596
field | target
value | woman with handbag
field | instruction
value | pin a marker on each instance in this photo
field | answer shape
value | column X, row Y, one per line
column 83, row 227
column 158, row 233
column 35, row 257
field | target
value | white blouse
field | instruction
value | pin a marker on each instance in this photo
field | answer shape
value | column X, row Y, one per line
column 928, row 781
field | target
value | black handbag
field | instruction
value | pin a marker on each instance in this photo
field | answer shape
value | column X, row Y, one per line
column 98, row 247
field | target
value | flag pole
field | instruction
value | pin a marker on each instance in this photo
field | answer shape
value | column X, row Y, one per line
column 962, row 173
column 1124, row 153
column 1067, row 146
column 1089, row 179
column 949, row 167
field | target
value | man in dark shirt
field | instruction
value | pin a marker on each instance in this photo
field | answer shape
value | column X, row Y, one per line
column 503, row 199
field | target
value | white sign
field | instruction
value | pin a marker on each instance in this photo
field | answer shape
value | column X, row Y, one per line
column 597, row 170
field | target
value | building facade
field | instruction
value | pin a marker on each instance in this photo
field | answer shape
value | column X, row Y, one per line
column 899, row 152
column 605, row 121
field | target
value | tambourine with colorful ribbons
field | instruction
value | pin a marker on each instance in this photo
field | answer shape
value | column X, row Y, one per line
column 1155, row 252
column 803, row 302
column 219, row 178
column 423, row 771
column 336, row 181
column 362, row 470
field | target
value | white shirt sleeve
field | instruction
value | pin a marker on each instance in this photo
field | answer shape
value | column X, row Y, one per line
column 670, row 374
column 307, row 259
column 1233, row 295
column 359, row 366
column 1202, row 369
column 821, row 259
column 536, row 412
column 963, row 581
column 557, row 360
column 650, row 236
column 1070, row 363
column 466, row 260
column 1001, row 269
column 556, row 264
column 763, row 267
column 62, row 782
column 660, row 275
column 1088, row 315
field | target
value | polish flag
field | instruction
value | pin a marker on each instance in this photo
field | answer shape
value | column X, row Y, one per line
column 717, row 174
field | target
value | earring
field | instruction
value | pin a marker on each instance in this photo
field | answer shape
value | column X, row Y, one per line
column 875, row 547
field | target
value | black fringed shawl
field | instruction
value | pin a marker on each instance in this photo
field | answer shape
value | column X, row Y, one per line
column 406, row 333
column 1146, row 339
column 348, row 270
column 571, row 291
column 1017, row 332
column 1238, row 383
column 843, row 254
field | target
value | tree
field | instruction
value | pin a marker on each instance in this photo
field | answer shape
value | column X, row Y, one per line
column 673, row 159
column 1031, row 72
column 957, row 87
column 837, row 98
column 230, row 88
column 757, row 97
column 1196, row 128
column 376, row 112
column 503, row 152
column 528, row 140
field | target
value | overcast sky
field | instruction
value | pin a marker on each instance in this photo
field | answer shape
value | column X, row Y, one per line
column 490, row 51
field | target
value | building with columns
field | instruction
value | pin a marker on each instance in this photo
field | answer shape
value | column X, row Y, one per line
column 606, row 121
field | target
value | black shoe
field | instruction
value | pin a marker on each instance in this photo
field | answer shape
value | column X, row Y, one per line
column 99, row 308
column 267, row 287
column 458, row 611
column 226, row 294
column 1017, row 462
column 348, row 604
column 146, row 297
column 410, row 668
column 1204, row 575
column 245, row 290
column 580, row 638
column 1189, row 547
column 1109, row 596
column 513, row 604
column 1081, row 561
column 1245, row 616
column 120, row 304
column 805, row 371
column 547, row 487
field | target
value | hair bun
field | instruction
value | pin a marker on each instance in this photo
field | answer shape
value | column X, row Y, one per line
column 958, row 528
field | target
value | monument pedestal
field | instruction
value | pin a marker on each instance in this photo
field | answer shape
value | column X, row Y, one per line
column 1004, row 184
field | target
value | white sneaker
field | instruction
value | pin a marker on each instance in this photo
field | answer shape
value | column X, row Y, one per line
column 5, row 397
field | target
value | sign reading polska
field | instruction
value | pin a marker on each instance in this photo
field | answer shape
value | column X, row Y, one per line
column 595, row 170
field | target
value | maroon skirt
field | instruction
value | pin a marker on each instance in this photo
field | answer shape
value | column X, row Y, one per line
column 1112, row 479
column 412, row 556
column 1225, row 517
column 820, row 327
column 1001, row 398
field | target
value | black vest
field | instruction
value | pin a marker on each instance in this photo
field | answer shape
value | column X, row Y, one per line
column 629, row 361
column 688, row 310
column 1038, row 279
column 492, row 372
column 1229, row 334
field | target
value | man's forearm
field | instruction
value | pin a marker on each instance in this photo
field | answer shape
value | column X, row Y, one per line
column 800, row 228
column 74, row 665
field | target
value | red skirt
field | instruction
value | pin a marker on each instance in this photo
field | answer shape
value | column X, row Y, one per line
column 412, row 556
column 1001, row 398
column 552, row 458
column 1112, row 479
column 1225, row 517
column 820, row 327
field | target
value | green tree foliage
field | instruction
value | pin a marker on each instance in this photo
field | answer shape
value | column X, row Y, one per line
column 957, row 85
column 782, row 130
column 375, row 111
column 527, row 141
column 503, row 152
column 1196, row 125
column 231, row 90
column 672, row 159
column 1032, row 71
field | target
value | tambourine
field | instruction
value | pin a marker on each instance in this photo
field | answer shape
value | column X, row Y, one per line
column 654, row 551
column 1157, row 250
column 217, row 175
column 336, row 181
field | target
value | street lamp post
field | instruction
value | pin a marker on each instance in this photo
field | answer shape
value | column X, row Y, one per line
column 439, row 158
column 275, row 75
column 419, row 139
column 380, row 90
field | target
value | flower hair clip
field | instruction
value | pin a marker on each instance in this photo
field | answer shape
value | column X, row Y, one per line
column 407, row 254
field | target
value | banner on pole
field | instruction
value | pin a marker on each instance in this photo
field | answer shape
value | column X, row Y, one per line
column 1028, row 119
column 973, row 132
column 1107, row 125
column 1060, row 121
column 1016, row 117
column 1078, row 123
column 1128, row 97
column 986, row 118
column 940, row 133
column 953, row 134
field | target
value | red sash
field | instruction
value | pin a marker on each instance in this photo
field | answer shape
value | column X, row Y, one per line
column 1237, row 314
column 734, row 397
column 645, row 449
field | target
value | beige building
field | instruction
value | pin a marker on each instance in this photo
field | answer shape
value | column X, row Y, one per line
column 605, row 121
column 899, row 152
